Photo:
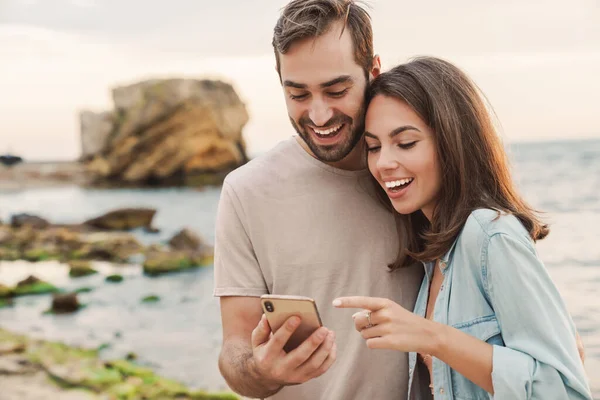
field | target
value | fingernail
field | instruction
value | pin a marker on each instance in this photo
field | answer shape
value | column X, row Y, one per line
column 337, row 303
column 321, row 334
column 355, row 315
column 294, row 322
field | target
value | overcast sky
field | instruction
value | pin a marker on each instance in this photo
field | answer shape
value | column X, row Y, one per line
column 537, row 61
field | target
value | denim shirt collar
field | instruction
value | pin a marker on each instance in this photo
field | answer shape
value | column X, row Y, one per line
column 444, row 261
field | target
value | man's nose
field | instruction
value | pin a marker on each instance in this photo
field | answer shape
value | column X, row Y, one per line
column 320, row 112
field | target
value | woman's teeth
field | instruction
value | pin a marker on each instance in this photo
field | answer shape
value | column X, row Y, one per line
column 398, row 184
column 327, row 132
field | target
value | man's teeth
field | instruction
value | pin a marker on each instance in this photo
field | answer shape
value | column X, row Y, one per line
column 329, row 131
column 401, row 182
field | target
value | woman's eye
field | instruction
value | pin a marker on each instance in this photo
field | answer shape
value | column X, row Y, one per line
column 407, row 146
column 373, row 149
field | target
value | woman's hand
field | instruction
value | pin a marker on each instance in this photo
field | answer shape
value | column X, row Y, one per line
column 393, row 327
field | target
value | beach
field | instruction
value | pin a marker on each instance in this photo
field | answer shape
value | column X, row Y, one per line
column 179, row 336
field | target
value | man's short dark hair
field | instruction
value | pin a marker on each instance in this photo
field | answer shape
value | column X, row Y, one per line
column 302, row 19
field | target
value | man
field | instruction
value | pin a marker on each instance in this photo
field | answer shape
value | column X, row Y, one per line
column 303, row 220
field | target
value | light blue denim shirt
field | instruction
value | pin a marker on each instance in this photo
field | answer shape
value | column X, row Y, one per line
column 496, row 288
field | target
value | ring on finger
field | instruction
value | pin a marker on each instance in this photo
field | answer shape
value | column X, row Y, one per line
column 368, row 314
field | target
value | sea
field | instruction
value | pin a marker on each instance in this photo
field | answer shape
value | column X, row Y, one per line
column 180, row 336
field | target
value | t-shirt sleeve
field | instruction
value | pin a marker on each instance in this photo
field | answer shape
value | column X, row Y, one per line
column 237, row 271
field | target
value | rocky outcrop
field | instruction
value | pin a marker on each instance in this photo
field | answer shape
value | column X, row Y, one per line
column 64, row 303
column 96, row 129
column 33, row 285
column 185, row 240
column 20, row 220
column 96, row 239
column 124, row 219
column 159, row 262
column 79, row 268
column 166, row 132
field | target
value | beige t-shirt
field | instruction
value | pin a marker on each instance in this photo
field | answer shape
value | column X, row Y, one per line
column 290, row 224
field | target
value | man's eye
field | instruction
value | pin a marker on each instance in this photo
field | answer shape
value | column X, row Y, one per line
column 298, row 97
column 338, row 94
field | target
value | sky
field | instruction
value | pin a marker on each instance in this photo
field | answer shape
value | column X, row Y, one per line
column 538, row 62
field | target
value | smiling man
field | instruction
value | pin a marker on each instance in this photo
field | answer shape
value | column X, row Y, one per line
column 303, row 219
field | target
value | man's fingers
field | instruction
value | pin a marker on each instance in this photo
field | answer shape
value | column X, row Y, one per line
column 261, row 333
column 280, row 338
column 368, row 303
column 302, row 353
column 327, row 363
column 317, row 359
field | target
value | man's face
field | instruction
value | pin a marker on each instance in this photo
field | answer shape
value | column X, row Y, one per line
column 325, row 93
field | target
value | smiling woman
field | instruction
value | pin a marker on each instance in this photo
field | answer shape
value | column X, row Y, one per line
column 440, row 165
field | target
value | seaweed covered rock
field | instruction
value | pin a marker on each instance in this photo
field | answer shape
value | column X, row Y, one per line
column 33, row 285
column 79, row 268
column 77, row 368
column 160, row 262
column 123, row 219
column 65, row 303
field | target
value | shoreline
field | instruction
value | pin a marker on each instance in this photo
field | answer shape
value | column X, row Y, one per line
column 33, row 369
column 43, row 174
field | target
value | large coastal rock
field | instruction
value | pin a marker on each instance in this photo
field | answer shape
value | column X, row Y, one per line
column 166, row 131
column 96, row 129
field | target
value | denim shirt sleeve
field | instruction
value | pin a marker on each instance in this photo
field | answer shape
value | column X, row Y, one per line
column 540, row 360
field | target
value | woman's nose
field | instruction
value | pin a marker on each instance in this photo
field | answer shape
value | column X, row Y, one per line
column 387, row 161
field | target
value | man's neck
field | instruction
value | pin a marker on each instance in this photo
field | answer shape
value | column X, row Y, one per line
column 354, row 161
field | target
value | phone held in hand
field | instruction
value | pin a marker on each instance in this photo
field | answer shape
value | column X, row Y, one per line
column 279, row 308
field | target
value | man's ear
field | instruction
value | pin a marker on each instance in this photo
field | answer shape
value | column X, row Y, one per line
column 376, row 66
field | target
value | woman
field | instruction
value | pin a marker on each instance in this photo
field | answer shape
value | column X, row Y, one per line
column 488, row 319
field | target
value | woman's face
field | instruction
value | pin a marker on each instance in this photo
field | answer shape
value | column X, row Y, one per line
column 402, row 155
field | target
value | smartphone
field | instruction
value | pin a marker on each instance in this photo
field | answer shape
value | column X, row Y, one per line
column 278, row 308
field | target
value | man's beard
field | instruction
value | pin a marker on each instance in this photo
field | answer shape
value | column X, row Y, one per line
column 345, row 145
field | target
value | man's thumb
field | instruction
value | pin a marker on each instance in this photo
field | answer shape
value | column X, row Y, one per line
column 261, row 333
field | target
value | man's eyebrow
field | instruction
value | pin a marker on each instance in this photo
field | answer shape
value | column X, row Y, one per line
column 295, row 85
column 335, row 81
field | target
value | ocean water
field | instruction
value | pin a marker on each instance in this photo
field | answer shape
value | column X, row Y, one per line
column 181, row 335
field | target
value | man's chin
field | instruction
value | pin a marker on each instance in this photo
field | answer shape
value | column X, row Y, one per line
column 331, row 153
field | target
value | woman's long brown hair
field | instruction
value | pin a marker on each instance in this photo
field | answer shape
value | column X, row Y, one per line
column 473, row 164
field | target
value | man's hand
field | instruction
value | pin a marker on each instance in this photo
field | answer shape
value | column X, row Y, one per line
column 309, row 360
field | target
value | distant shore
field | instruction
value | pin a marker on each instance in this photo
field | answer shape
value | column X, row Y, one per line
column 42, row 174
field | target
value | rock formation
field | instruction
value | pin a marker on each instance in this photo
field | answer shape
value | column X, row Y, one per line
column 174, row 131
